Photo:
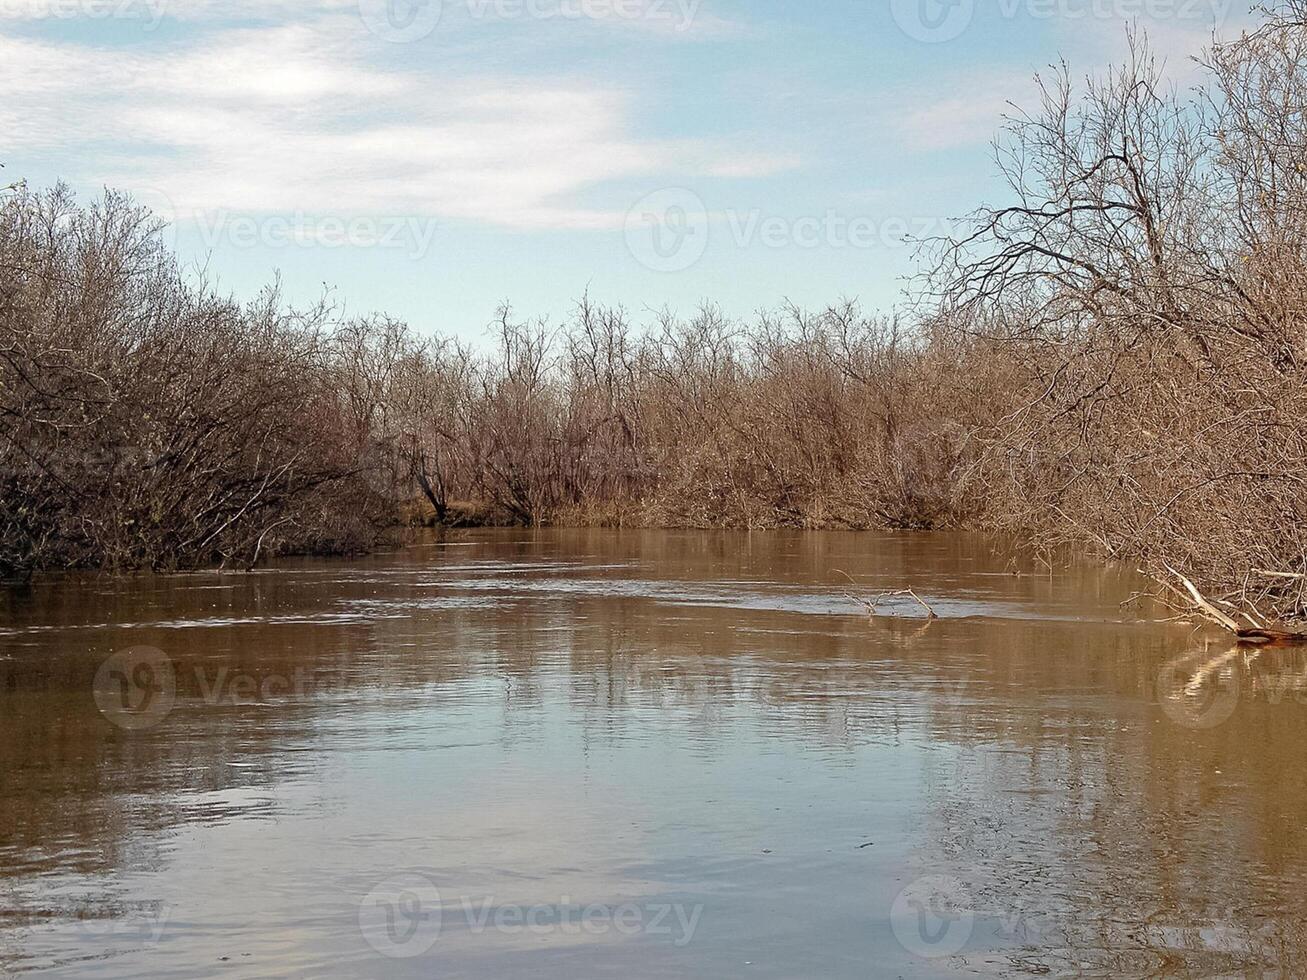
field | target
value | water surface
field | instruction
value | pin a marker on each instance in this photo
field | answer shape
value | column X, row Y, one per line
column 643, row 754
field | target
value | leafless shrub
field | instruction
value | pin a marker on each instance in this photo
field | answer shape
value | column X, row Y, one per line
column 795, row 420
column 148, row 422
column 1148, row 281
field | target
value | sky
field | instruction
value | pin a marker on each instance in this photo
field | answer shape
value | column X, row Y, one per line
column 432, row 160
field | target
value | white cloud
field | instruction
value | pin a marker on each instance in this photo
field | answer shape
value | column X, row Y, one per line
column 673, row 19
column 295, row 118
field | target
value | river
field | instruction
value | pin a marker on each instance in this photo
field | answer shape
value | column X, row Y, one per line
column 523, row 753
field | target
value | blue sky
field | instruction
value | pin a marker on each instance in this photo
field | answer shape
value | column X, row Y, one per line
column 433, row 159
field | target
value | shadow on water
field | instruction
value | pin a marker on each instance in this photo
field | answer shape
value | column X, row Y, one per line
column 217, row 770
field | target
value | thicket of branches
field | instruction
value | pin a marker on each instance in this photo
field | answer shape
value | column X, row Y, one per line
column 1151, row 275
column 145, row 421
column 830, row 419
column 1116, row 357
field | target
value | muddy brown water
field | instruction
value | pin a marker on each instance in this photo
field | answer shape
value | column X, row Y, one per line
column 642, row 754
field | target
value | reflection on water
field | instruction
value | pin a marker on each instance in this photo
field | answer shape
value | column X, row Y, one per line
column 591, row 753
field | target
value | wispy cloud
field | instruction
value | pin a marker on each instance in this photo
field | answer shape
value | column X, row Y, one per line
column 299, row 118
column 674, row 19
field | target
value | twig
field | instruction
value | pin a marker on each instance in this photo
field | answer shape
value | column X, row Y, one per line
column 865, row 603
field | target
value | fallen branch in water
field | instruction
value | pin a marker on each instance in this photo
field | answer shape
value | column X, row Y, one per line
column 871, row 604
column 930, row 613
column 1203, row 606
column 1257, row 633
